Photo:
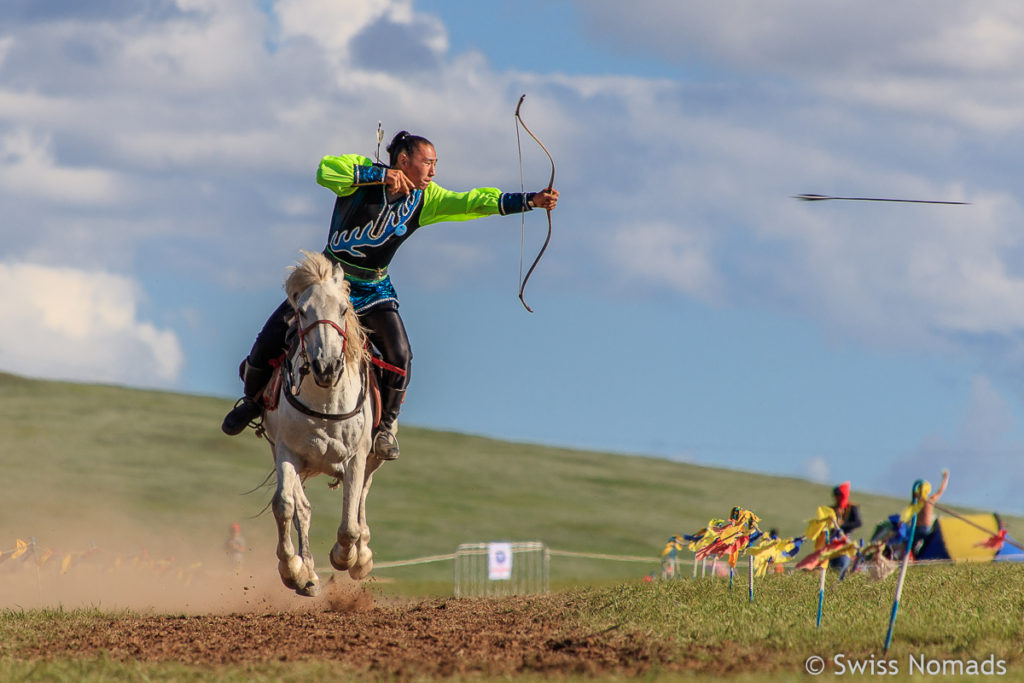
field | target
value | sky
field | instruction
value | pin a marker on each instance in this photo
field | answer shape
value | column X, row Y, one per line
column 157, row 177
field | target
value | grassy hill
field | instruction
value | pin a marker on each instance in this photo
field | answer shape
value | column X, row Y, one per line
column 126, row 469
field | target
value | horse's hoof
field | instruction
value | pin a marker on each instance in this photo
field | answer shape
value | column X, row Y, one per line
column 340, row 566
column 342, row 563
column 284, row 569
column 361, row 571
column 310, row 590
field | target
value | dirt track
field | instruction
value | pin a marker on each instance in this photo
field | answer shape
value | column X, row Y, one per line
column 440, row 637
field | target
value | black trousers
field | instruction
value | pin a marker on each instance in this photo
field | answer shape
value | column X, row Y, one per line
column 384, row 326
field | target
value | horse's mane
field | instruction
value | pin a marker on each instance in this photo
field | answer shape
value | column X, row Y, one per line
column 316, row 269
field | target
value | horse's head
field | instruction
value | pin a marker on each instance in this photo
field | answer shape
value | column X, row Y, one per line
column 329, row 331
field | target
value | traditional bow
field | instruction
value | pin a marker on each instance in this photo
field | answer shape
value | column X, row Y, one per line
column 551, row 184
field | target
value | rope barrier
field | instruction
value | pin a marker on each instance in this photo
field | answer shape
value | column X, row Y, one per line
column 598, row 556
column 559, row 553
column 23, row 548
column 417, row 560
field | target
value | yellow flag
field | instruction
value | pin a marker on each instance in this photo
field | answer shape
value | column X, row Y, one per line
column 711, row 531
column 848, row 549
column 825, row 521
column 674, row 543
column 769, row 551
column 20, row 549
column 700, row 537
column 65, row 564
column 727, row 535
column 920, row 498
column 746, row 517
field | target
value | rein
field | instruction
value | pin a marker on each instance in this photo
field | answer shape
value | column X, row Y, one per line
column 344, row 336
column 291, row 390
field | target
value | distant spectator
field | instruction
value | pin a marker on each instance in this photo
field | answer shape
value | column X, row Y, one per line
column 926, row 518
column 848, row 517
column 234, row 547
column 773, row 535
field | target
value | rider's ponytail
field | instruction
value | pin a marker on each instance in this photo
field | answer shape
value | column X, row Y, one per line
column 404, row 142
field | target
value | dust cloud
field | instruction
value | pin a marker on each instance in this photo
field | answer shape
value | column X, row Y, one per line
column 130, row 569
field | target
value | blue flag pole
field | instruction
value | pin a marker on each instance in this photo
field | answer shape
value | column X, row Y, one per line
column 899, row 585
column 750, row 559
column 821, row 584
column 821, row 593
column 914, row 496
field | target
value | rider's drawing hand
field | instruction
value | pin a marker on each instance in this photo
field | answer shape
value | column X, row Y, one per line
column 398, row 182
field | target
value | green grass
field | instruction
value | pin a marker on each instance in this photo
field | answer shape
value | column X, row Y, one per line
column 126, row 469
column 965, row 609
column 956, row 612
column 693, row 628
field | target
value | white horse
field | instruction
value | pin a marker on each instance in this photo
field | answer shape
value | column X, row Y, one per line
column 323, row 423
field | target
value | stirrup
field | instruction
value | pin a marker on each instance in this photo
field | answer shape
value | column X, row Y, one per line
column 388, row 451
column 244, row 414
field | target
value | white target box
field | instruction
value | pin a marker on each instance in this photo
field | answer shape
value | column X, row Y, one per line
column 501, row 568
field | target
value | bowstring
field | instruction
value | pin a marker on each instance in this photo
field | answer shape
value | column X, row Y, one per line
column 522, row 214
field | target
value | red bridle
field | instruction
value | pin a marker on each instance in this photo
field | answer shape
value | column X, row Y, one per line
column 303, row 331
column 344, row 341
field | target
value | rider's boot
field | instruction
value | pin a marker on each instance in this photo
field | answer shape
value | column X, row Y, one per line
column 385, row 443
column 248, row 408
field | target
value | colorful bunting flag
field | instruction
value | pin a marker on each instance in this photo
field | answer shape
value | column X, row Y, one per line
column 823, row 522
column 21, row 547
column 921, row 493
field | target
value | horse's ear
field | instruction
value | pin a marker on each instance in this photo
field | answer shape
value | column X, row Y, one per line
column 338, row 274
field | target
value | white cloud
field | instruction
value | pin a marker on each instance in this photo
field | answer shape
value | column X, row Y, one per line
column 397, row 35
column 5, row 46
column 817, row 470
column 332, row 24
column 666, row 253
column 76, row 324
column 28, row 168
column 193, row 138
column 928, row 56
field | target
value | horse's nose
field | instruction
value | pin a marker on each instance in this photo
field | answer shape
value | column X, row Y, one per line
column 325, row 368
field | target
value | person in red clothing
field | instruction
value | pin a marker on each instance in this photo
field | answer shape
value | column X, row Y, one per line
column 848, row 516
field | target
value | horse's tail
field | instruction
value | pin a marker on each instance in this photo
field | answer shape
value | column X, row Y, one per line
column 266, row 480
